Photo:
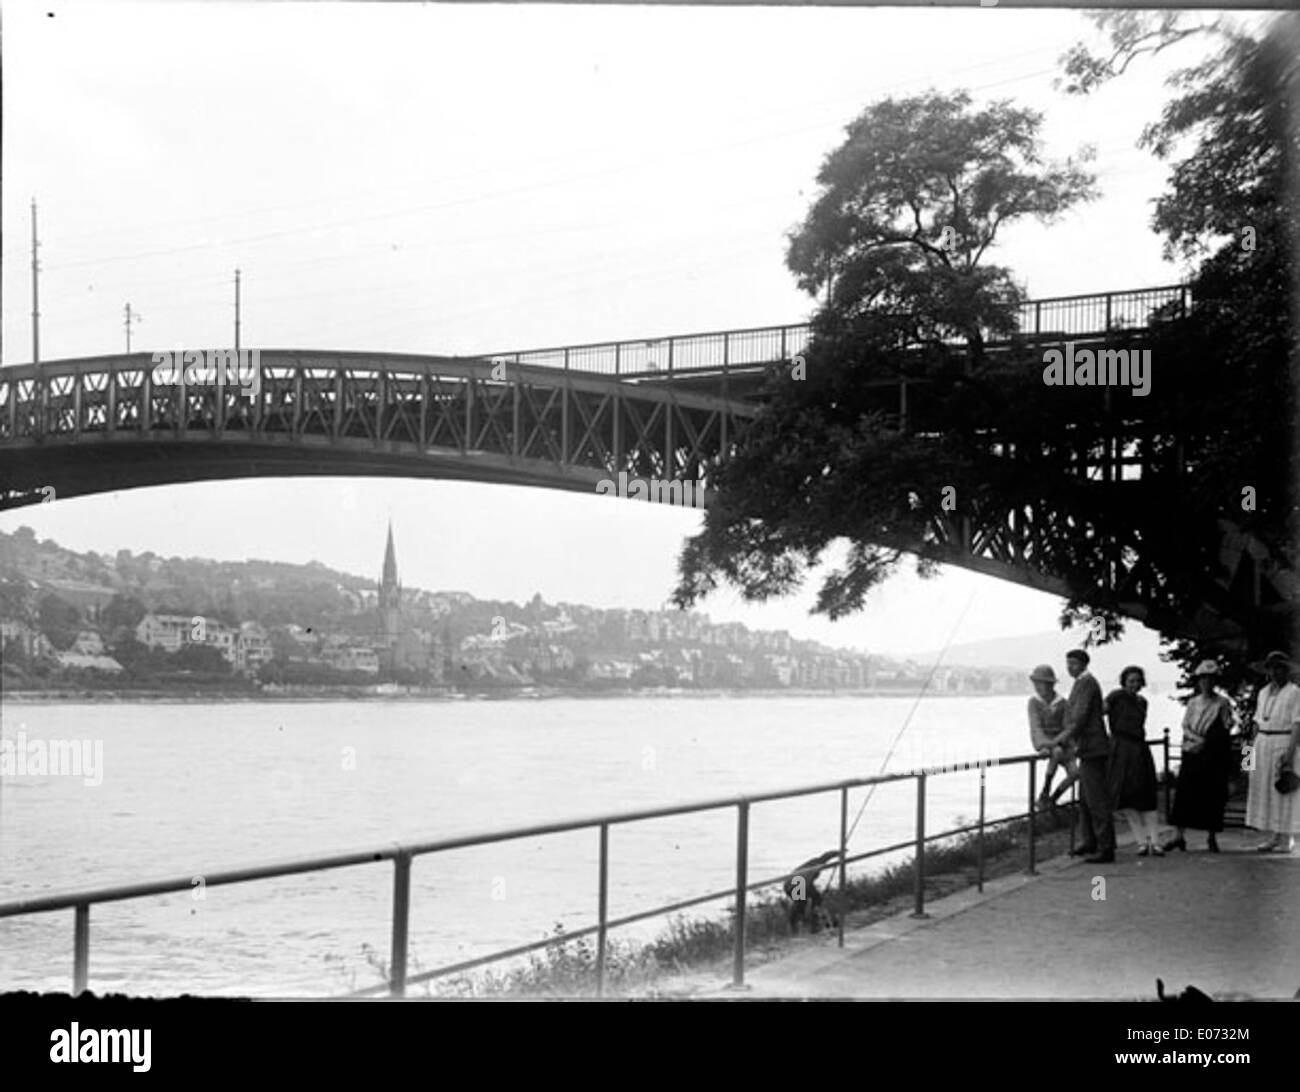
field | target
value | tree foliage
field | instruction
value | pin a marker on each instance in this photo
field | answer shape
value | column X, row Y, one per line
column 830, row 458
column 912, row 201
column 910, row 207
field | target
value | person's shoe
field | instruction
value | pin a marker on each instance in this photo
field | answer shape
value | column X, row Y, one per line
column 1144, row 851
column 1212, row 844
column 1268, row 847
column 1175, row 843
column 1156, row 851
column 1101, row 858
column 1083, row 851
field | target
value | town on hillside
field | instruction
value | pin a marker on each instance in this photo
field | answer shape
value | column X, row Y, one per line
column 92, row 622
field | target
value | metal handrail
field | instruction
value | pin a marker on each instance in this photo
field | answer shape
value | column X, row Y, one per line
column 402, row 855
column 1029, row 317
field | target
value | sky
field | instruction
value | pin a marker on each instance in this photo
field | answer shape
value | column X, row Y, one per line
column 468, row 179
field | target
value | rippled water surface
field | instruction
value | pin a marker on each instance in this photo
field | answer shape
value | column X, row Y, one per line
column 188, row 789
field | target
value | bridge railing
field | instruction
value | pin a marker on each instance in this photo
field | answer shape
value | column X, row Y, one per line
column 402, row 857
column 723, row 350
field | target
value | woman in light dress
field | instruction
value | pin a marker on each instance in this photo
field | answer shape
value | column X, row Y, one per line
column 1277, row 731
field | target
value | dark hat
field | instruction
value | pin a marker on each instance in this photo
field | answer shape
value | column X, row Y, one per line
column 1043, row 673
column 1206, row 667
column 1278, row 658
column 1078, row 654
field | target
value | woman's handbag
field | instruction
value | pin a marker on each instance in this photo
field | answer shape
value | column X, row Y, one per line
column 1287, row 782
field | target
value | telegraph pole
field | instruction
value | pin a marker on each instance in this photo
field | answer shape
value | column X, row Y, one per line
column 36, row 290
column 236, row 310
column 131, row 316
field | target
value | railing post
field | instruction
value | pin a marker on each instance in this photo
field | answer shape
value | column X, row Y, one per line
column 468, row 440
column 618, row 356
column 401, row 922
column 979, row 851
column 1033, row 771
column 1167, row 785
column 742, row 881
column 1074, row 813
column 80, row 948
column 602, row 909
column 918, row 867
column 844, row 852
column 564, row 414
column 784, row 358
column 1038, row 319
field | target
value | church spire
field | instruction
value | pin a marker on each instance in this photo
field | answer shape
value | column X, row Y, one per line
column 389, row 579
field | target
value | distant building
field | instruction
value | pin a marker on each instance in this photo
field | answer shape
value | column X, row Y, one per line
column 172, row 632
column 33, row 643
column 88, row 660
column 397, row 645
column 253, row 648
column 88, row 643
column 352, row 658
column 165, row 631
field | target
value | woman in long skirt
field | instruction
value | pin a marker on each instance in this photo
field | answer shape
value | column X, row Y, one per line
column 1277, row 731
column 1202, row 790
column 1132, row 771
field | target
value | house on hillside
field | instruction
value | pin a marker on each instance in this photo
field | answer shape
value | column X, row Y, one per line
column 253, row 648
column 88, row 643
column 32, row 642
column 165, row 631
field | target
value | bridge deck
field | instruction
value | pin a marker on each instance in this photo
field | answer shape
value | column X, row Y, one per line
column 1050, row 319
column 1226, row 923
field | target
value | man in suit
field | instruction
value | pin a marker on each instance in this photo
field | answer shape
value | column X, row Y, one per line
column 1085, row 727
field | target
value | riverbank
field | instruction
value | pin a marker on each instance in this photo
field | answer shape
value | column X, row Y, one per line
column 690, row 951
column 431, row 694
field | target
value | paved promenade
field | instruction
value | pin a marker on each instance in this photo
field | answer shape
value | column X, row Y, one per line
column 1228, row 923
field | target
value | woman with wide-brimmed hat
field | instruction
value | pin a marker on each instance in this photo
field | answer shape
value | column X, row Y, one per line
column 1132, row 771
column 1201, row 792
column 1277, row 731
column 1046, row 722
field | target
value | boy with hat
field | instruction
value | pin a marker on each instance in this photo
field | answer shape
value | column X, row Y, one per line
column 1046, row 723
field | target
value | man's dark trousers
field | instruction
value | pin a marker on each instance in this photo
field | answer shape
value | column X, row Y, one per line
column 1096, row 819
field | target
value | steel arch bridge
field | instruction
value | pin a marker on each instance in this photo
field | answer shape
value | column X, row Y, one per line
column 563, row 418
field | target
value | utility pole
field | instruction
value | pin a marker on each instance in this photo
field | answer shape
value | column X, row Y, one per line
column 236, row 310
column 36, row 308
column 131, row 316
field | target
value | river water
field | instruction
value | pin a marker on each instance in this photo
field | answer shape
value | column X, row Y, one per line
column 189, row 788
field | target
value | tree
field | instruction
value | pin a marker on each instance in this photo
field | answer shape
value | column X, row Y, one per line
column 122, row 612
column 201, row 658
column 830, row 458
column 911, row 204
column 59, row 621
column 1232, row 205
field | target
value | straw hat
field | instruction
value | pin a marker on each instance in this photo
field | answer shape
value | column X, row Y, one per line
column 1207, row 667
column 1043, row 673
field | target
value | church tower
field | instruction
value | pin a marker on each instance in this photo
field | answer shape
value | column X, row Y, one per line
column 390, row 595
